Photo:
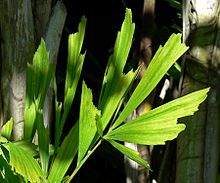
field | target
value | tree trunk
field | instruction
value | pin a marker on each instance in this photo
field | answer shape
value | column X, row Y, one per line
column 22, row 24
column 198, row 145
column 17, row 29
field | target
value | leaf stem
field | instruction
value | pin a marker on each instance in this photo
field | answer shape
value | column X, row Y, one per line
column 84, row 160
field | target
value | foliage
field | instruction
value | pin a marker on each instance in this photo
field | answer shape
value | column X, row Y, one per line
column 25, row 160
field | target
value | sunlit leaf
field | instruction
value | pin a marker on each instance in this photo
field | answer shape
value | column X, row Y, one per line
column 27, row 146
column 39, row 71
column 130, row 153
column 25, row 164
column 164, row 58
column 70, row 92
column 7, row 129
column 87, row 121
column 74, row 63
column 99, row 127
column 29, row 118
column 65, row 155
column 44, row 72
column 43, row 140
column 74, row 67
column 116, row 83
column 39, row 75
column 7, row 175
column 58, row 109
column 160, row 124
column 3, row 140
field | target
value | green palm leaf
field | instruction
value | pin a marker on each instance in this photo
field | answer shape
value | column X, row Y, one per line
column 116, row 83
column 87, row 122
column 160, row 124
column 164, row 58
column 25, row 164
